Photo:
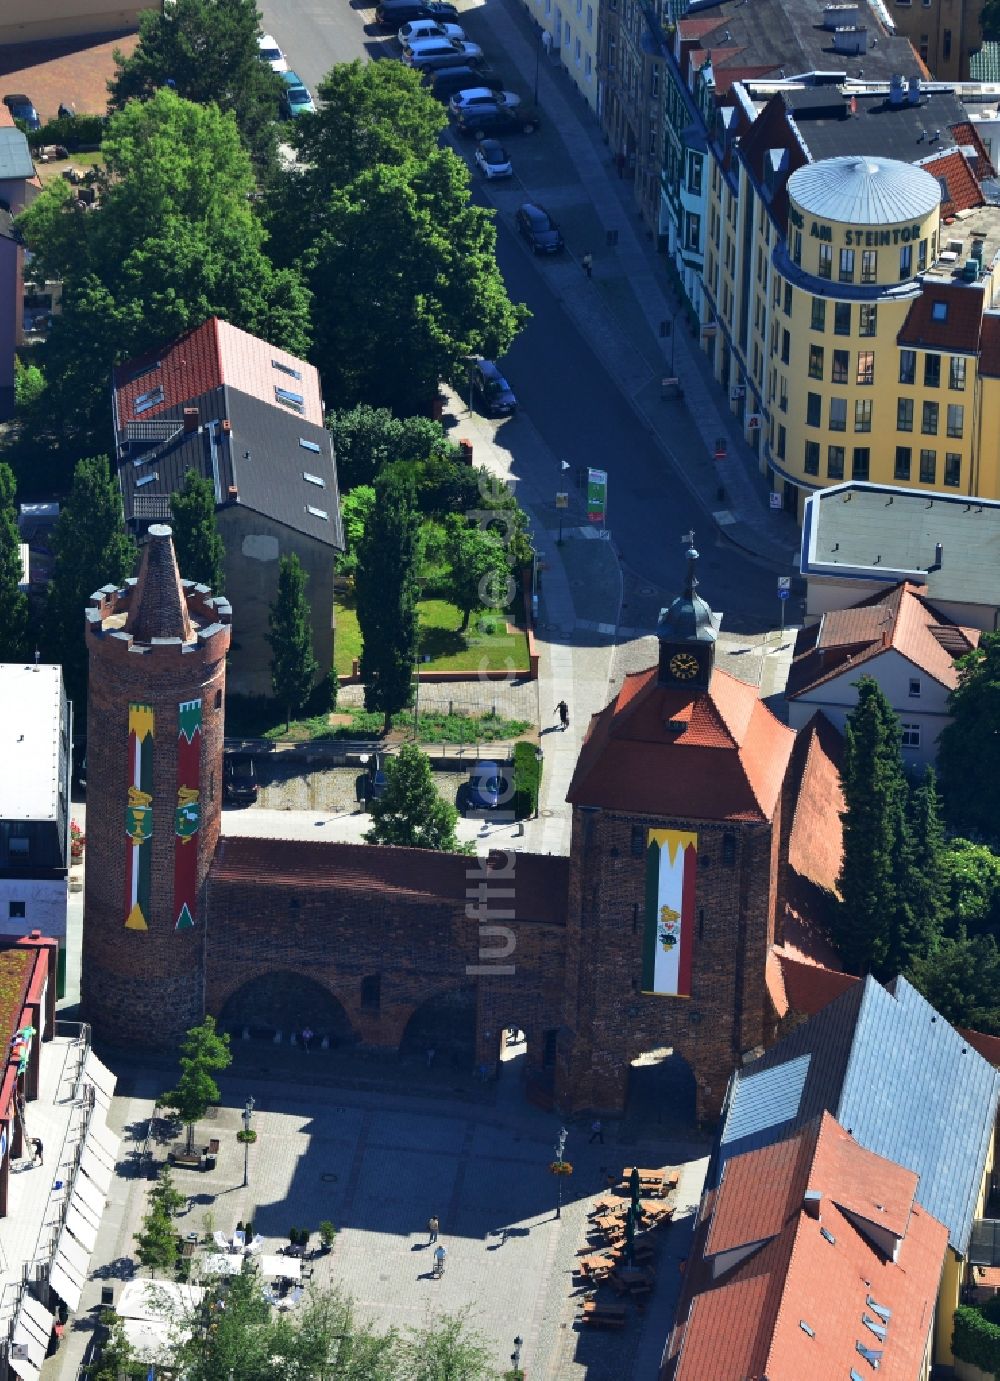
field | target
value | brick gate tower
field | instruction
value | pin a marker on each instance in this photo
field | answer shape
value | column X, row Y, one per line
column 154, row 797
column 676, row 834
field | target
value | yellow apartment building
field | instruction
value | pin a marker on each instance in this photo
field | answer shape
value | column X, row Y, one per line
column 858, row 340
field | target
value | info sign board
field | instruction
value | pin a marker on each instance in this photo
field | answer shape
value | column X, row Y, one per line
column 597, row 495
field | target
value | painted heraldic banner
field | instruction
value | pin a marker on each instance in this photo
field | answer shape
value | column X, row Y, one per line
column 668, row 943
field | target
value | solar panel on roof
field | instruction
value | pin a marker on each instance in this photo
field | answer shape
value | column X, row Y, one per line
column 145, row 401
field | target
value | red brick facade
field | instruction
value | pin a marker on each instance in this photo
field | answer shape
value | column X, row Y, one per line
column 147, row 987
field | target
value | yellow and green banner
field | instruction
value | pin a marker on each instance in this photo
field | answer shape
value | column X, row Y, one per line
column 187, row 813
column 668, row 940
column 139, row 817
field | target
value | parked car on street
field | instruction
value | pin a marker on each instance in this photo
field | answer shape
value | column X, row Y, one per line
column 375, row 781
column 539, row 229
column 428, row 28
column 475, row 96
column 22, row 109
column 441, row 52
column 396, row 12
column 240, row 780
column 295, row 98
column 483, row 121
column 445, row 83
column 491, row 390
column 486, row 786
column 492, row 159
column 272, row 54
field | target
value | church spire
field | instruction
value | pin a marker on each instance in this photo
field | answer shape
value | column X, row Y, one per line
column 687, row 631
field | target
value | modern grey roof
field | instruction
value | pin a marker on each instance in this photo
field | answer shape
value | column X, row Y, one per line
column 879, row 129
column 268, row 460
column 865, row 191
column 896, row 1076
column 15, row 156
column 876, row 532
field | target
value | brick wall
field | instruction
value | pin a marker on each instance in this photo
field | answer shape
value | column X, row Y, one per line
column 146, row 987
column 423, row 949
column 607, row 1020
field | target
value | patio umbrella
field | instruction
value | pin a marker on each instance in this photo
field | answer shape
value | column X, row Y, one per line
column 630, row 1221
column 635, row 1189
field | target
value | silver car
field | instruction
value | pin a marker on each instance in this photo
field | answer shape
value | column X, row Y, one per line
column 428, row 28
column 431, row 52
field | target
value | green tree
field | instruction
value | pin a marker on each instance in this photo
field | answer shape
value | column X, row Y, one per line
column 480, row 569
column 387, row 597
column 388, row 338
column 868, row 922
column 29, row 385
column 971, row 874
column 924, row 885
column 356, row 508
column 177, row 240
column 203, row 1051
column 969, row 747
column 208, row 50
column 989, row 20
column 367, row 439
column 293, row 666
column 411, row 811
column 116, row 1357
column 200, row 550
column 962, row 980
column 91, row 549
column 13, row 602
column 447, row 1349
column 165, row 1193
column 156, row 1240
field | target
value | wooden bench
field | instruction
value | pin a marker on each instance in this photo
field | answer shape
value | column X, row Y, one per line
column 603, row 1315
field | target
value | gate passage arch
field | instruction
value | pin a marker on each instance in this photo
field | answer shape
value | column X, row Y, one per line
column 445, row 1024
column 285, row 1001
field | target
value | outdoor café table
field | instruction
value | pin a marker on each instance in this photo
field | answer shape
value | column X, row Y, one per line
column 597, row 1265
column 608, row 1222
column 283, row 1267
column 612, row 1203
column 655, row 1209
column 222, row 1264
column 634, row 1275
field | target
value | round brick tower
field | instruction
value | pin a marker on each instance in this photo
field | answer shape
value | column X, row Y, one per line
column 154, row 797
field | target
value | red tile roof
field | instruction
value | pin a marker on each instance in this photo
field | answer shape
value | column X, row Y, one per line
column 959, row 331
column 987, row 1046
column 204, row 359
column 968, row 136
column 407, row 875
column 815, row 845
column 810, row 987
column 902, row 620
column 744, row 1318
column 718, row 754
column 964, row 191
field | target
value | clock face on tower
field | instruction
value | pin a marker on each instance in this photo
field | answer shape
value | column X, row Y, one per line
column 684, row 665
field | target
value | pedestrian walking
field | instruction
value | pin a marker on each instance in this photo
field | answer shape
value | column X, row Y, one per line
column 547, row 43
column 440, row 1253
column 307, row 1036
column 38, row 1149
column 587, row 264
column 596, row 1132
column 432, row 1228
column 562, row 710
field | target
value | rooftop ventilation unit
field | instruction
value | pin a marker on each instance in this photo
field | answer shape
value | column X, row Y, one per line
column 841, row 16
column 851, row 41
column 897, row 90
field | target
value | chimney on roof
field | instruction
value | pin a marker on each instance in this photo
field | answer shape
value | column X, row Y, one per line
column 811, row 1202
column 191, row 419
column 938, row 558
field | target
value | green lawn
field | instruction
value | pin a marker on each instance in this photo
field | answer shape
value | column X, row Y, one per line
column 486, row 644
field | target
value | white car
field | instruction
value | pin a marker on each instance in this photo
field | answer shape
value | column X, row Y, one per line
column 429, row 28
column 271, row 53
column 481, row 95
column 426, row 52
column 492, row 159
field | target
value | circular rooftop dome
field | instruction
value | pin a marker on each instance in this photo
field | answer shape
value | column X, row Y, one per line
column 865, row 191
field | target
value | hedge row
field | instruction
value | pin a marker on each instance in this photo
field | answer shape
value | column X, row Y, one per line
column 527, row 780
column 976, row 1340
column 73, row 132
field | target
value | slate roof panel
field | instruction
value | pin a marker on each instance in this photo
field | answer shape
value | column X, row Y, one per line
column 15, row 155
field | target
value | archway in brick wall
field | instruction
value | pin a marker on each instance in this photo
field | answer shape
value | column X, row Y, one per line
column 446, row 1025
column 289, row 1003
column 662, row 1092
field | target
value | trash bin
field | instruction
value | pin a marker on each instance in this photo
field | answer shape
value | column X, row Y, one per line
column 107, row 1296
column 208, row 1163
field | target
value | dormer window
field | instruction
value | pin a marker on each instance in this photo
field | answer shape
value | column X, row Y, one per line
column 939, row 311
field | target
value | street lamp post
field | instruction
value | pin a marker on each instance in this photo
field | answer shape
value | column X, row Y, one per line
column 515, row 1358
column 247, row 1116
column 538, row 54
column 560, row 1147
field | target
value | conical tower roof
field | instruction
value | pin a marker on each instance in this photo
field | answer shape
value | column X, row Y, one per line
column 158, row 608
column 689, row 618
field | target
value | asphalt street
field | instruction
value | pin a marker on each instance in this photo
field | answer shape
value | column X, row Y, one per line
column 577, row 407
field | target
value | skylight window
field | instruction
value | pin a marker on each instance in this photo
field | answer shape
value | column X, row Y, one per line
column 872, row 1355
column 856, row 1375
column 314, row 479
column 939, row 311
column 308, row 445
column 286, row 369
column 295, row 401
column 146, row 479
column 318, row 512
column 876, row 1326
column 145, row 401
column 809, row 1332
column 825, row 1232
column 882, row 1310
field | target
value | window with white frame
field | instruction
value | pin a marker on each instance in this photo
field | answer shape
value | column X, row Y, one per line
column 911, row 735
